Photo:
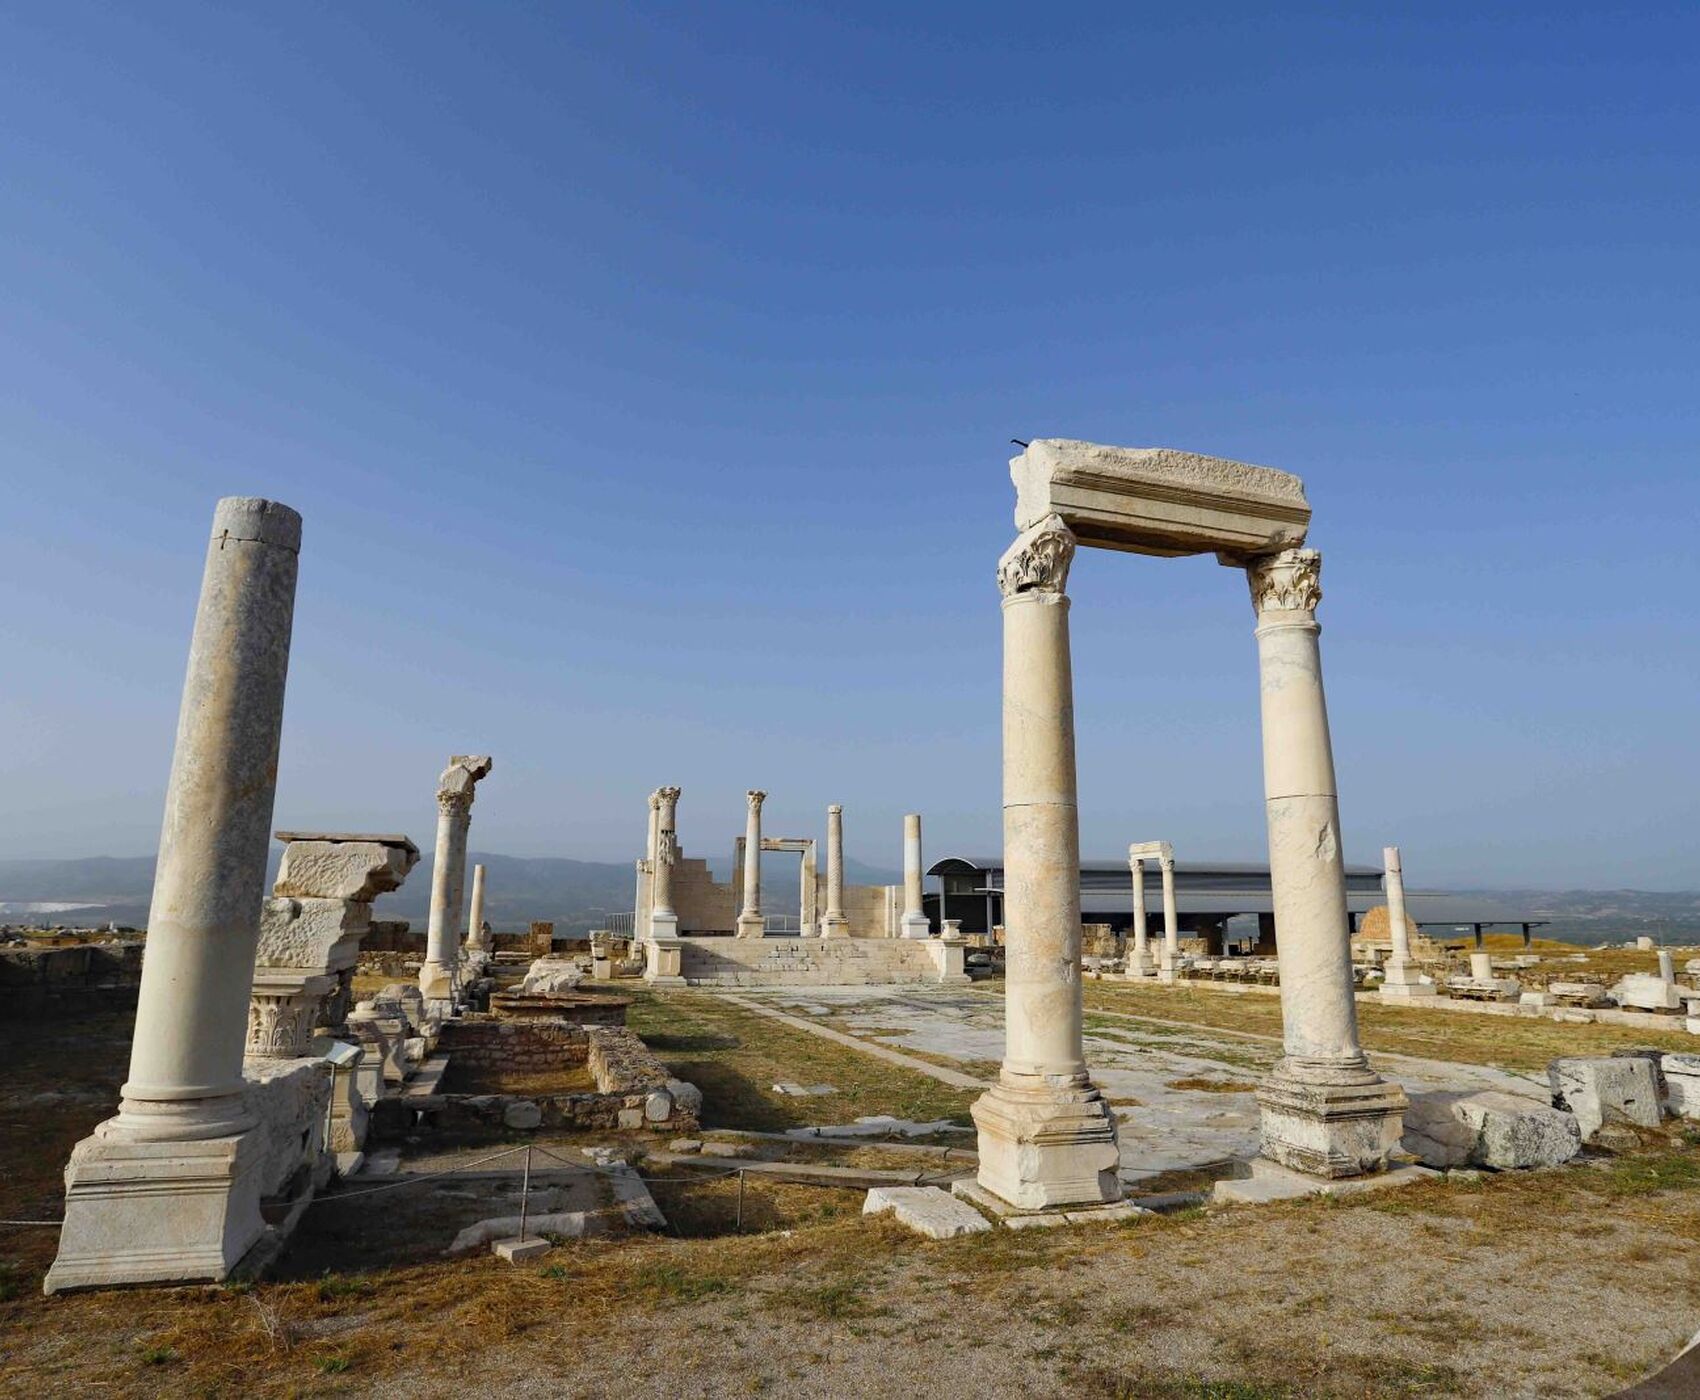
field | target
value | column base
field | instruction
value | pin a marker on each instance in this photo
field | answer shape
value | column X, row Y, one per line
column 1043, row 1146
column 436, row 982
column 834, row 926
column 914, row 926
column 1408, row 991
column 158, row 1212
column 663, row 968
column 1348, row 1127
column 751, row 926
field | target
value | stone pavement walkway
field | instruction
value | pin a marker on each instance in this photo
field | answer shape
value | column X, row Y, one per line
column 1154, row 1072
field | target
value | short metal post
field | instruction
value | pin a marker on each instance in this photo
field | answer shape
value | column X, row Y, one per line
column 738, row 1226
column 524, row 1193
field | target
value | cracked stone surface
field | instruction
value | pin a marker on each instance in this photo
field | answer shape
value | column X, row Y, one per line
column 1135, row 1062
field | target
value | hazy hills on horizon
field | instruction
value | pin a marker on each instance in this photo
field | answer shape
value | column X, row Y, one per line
column 580, row 894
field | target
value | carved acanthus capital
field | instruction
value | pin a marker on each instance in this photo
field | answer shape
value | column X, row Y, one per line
column 1039, row 559
column 668, row 796
column 455, row 786
column 756, row 797
column 456, row 804
column 655, row 800
column 836, row 809
column 1290, row 581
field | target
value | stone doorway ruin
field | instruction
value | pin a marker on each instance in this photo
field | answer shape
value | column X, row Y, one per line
column 1047, row 1138
column 808, row 884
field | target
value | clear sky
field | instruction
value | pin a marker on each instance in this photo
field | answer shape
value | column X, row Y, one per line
column 645, row 376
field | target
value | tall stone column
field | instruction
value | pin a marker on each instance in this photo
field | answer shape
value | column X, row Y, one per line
column 663, row 921
column 646, row 872
column 1400, row 979
column 439, row 974
column 750, row 922
column 1324, row 1110
column 914, row 923
column 1046, row 1136
column 1170, row 967
column 664, row 963
column 476, row 941
column 1139, row 955
column 833, row 923
column 169, row 1188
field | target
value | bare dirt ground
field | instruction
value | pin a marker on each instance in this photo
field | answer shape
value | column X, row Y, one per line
column 1564, row 1283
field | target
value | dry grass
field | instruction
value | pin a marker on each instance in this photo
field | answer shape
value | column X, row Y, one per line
column 1511, row 1042
column 461, row 1078
column 736, row 1057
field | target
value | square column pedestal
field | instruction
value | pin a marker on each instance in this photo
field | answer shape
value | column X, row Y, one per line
column 663, row 966
column 1337, row 1129
column 1043, row 1147
column 158, row 1212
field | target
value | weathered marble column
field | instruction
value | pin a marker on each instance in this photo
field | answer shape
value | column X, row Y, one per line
column 476, row 942
column 1400, row 979
column 914, row 923
column 169, row 1188
column 1138, row 958
column 646, row 873
column 1325, row 1111
column 750, row 921
column 1171, row 960
column 663, row 921
column 1046, row 1136
column 439, row 974
column 833, row 923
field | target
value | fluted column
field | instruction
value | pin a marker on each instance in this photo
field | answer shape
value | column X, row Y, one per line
column 1324, row 1110
column 914, row 923
column 1046, row 1137
column 1400, row 978
column 833, row 923
column 644, row 897
column 168, row 1188
column 476, row 942
column 1138, row 958
column 750, row 922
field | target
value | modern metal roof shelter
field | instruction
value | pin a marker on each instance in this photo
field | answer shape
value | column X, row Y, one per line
column 1207, row 895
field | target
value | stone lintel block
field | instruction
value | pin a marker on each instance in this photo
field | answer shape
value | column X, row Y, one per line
column 1330, row 1130
column 322, row 934
column 1511, row 1132
column 358, row 868
column 158, row 1212
column 1044, row 1147
column 1157, row 500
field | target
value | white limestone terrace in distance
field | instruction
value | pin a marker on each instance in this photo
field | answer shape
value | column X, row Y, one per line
column 1134, row 1061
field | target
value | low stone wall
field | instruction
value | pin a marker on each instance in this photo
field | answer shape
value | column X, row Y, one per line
column 586, row 1008
column 633, row 1089
column 63, row 981
column 806, row 962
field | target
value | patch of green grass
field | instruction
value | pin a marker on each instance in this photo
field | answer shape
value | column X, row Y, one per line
column 334, row 1288
column 840, row 1299
column 158, row 1356
column 672, row 1282
column 333, row 1365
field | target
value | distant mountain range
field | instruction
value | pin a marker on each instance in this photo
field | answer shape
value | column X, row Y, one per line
column 576, row 894
column 580, row 894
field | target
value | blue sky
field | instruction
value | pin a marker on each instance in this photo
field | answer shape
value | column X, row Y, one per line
column 645, row 377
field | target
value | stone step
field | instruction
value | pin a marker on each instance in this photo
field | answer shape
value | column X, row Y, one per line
column 426, row 1079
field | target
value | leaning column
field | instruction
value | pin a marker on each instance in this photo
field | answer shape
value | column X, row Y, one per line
column 914, row 923
column 1046, row 1136
column 1400, row 979
column 1324, row 1110
column 439, row 974
column 833, row 924
column 750, row 921
column 168, row 1190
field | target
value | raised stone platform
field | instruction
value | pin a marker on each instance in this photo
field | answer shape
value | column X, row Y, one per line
column 812, row 962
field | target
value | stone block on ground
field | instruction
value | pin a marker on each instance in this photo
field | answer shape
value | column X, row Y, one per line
column 1513, row 1132
column 518, row 1251
column 1269, row 1181
column 569, row 1224
column 927, row 1210
column 1622, row 1092
column 1682, row 1084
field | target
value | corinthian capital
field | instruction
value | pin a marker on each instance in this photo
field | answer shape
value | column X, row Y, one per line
column 1290, row 581
column 1038, row 560
column 756, row 797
